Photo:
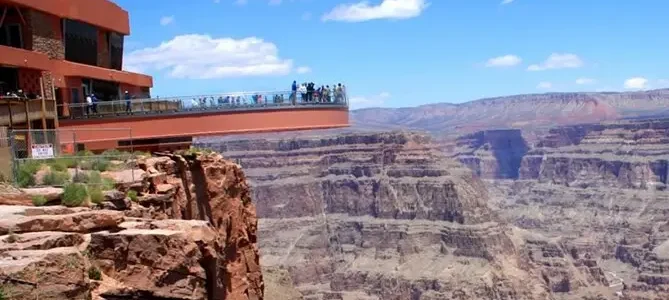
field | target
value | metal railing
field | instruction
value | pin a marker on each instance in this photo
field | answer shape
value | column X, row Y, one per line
column 222, row 102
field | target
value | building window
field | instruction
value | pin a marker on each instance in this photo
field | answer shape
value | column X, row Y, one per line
column 81, row 42
column 10, row 35
column 116, row 50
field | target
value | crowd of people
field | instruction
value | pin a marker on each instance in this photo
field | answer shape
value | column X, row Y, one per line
column 307, row 92
column 310, row 92
column 20, row 94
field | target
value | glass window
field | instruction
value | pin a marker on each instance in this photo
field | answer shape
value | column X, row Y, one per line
column 116, row 50
column 81, row 42
column 10, row 35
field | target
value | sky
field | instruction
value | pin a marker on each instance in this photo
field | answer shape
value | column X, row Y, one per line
column 398, row 53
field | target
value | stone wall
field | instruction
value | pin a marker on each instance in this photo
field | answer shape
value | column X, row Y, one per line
column 47, row 38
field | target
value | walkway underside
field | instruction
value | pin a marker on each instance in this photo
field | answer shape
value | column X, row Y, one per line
column 177, row 130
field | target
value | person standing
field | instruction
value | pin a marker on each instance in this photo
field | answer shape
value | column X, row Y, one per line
column 293, row 93
column 128, row 102
column 89, row 104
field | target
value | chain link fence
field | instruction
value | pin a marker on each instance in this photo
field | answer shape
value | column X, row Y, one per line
column 5, row 156
column 88, row 159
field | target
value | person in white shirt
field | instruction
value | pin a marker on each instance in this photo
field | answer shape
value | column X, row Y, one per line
column 89, row 104
column 303, row 91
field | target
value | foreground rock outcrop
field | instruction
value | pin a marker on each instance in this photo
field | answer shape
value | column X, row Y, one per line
column 190, row 234
column 388, row 216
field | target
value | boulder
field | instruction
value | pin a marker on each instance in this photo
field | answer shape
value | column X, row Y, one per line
column 51, row 194
column 154, row 261
column 59, row 273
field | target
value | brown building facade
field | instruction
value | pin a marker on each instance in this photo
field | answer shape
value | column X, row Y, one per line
column 66, row 49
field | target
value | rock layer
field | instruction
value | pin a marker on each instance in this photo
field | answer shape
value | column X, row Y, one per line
column 382, row 216
column 199, row 243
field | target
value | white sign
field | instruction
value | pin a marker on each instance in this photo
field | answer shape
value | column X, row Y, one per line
column 41, row 151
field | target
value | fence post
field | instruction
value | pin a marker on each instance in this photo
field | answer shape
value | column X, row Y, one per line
column 76, row 154
column 133, row 156
column 12, row 149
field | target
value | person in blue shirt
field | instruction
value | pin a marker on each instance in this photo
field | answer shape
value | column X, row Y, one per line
column 293, row 94
column 128, row 106
column 95, row 100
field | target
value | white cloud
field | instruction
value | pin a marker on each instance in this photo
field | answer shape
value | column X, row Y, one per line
column 167, row 20
column 507, row 1
column 585, row 81
column 303, row 70
column 241, row 2
column 387, row 9
column 558, row 61
column 544, row 85
column 274, row 2
column 504, row 61
column 217, row 1
column 636, row 83
column 201, row 57
column 372, row 101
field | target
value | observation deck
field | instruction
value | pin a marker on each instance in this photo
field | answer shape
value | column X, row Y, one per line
column 171, row 123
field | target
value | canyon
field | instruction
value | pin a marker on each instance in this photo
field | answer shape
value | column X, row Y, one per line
column 392, row 216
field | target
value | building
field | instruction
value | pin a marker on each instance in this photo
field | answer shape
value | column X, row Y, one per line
column 59, row 51
column 62, row 50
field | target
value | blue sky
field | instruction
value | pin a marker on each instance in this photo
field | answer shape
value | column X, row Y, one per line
column 397, row 53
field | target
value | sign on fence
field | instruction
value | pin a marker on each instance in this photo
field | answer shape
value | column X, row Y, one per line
column 42, row 151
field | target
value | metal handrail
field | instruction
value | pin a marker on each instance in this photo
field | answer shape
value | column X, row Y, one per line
column 227, row 101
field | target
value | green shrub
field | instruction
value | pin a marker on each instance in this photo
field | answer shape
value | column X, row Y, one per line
column 94, row 273
column 97, row 164
column 39, row 200
column 85, row 153
column 104, row 183
column 4, row 295
column 57, row 165
column 26, row 173
column 101, row 165
column 96, row 195
column 74, row 194
column 115, row 154
column 55, row 178
column 132, row 194
column 11, row 237
column 68, row 161
column 80, row 177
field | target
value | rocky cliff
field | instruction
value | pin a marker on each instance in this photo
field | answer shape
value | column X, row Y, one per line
column 189, row 234
column 388, row 216
column 530, row 111
column 490, row 154
column 630, row 154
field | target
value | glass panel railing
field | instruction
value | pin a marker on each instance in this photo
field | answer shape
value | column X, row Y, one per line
column 223, row 102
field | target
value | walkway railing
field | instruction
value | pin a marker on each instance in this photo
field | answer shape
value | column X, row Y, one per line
column 218, row 102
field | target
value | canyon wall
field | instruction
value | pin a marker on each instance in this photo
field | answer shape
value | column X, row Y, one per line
column 597, row 189
column 625, row 154
column 389, row 216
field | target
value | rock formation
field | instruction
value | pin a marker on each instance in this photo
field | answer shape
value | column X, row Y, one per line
column 490, row 154
column 191, row 234
column 388, row 216
column 598, row 193
column 528, row 112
